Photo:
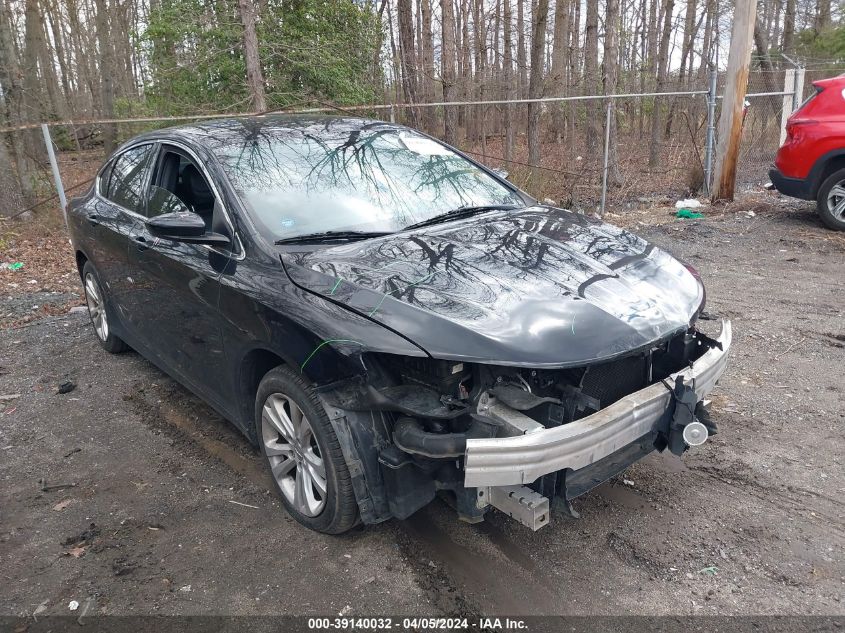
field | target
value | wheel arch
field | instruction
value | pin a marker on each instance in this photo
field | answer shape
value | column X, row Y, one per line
column 824, row 167
column 254, row 365
column 81, row 260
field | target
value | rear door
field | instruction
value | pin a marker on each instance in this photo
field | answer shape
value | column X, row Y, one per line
column 113, row 216
column 176, row 284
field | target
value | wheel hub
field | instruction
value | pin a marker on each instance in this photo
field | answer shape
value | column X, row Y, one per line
column 836, row 200
column 96, row 307
column 293, row 454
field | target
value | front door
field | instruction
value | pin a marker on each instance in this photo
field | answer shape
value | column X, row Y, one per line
column 177, row 284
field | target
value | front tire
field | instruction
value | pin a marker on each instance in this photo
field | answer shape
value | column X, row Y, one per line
column 831, row 201
column 302, row 454
column 99, row 311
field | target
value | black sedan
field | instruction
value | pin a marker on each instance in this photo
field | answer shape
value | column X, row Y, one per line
column 388, row 319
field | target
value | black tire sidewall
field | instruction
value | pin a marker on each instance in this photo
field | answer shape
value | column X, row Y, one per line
column 113, row 343
column 821, row 201
column 341, row 510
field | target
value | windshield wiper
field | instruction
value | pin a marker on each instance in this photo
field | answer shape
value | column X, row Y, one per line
column 460, row 212
column 330, row 236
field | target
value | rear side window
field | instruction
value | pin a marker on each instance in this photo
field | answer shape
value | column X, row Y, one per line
column 128, row 176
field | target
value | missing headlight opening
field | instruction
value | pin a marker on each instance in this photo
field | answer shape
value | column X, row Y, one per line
column 469, row 431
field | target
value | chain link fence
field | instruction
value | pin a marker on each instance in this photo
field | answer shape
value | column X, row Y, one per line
column 656, row 151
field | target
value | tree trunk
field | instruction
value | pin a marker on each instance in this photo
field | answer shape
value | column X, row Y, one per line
column 106, row 76
column 535, row 86
column 254, row 75
column 662, row 64
column 521, row 57
column 479, row 128
column 822, row 18
column 611, row 79
column 788, row 27
column 407, row 55
column 574, row 63
column 427, row 75
column 447, row 70
column 13, row 106
column 507, row 73
column 591, row 57
column 465, row 72
column 690, row 30
column 397, row 75
column 33, row 96
column 708, row 39
column 560, row 62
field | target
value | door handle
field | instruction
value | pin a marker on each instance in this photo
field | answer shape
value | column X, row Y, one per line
column 93, row 219
column 141, row 242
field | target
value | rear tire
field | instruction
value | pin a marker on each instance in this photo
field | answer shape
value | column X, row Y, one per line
column 831, row 201
column 99, row 311
column 302, row 453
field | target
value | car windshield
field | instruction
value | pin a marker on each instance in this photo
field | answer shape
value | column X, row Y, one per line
column 341, row 177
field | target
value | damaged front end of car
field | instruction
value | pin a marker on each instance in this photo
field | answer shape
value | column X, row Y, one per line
column 515, row 438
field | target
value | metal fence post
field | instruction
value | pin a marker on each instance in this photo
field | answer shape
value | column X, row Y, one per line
column 54, row 166
column 606, row 155
column 711, row 132
column 788, row 101
column 798, row 89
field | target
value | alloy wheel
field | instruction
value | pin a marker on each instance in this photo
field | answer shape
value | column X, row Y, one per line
column 294, row 455
column 96, row 307
column 836, row 201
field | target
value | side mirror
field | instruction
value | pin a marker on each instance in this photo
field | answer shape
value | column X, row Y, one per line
column 501, row 173
column 177, row 225
column 175, row 221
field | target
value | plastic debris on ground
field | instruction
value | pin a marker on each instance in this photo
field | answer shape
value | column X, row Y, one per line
column 689, row 203
column 688, row 214
column 11, row 265
column 66, row 387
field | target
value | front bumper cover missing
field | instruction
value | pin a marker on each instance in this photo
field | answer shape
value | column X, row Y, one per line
column 508, row 461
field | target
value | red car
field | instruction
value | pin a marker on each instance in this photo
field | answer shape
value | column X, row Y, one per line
column 811, row 162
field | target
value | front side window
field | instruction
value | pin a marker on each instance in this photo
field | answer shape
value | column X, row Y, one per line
column 189, row 189
column 126, row 184
column 302, row 179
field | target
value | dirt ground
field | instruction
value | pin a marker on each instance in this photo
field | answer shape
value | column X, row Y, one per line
column 130, row 496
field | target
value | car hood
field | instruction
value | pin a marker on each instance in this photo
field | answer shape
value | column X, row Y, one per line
column 538, row 287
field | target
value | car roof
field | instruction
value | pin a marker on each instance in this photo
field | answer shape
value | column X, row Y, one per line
column 233, row 129
column 830, row 81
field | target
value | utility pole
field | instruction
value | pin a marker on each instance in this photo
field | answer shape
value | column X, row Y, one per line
column 730, row 121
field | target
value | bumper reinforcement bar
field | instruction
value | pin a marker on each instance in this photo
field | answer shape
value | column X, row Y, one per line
column 509, row 461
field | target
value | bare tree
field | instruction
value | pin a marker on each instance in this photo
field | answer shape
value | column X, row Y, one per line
column 447, row 70
column 407, row 55
column 662, row 68
column 13, row 106
column 560, row 62
column 535, row 86
column 788, row 27
column 254, row 75
column 426, row 63
column 106, row 58
column 591, row 62
column 510, row 89
column 521, row 56
column 611, row 79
